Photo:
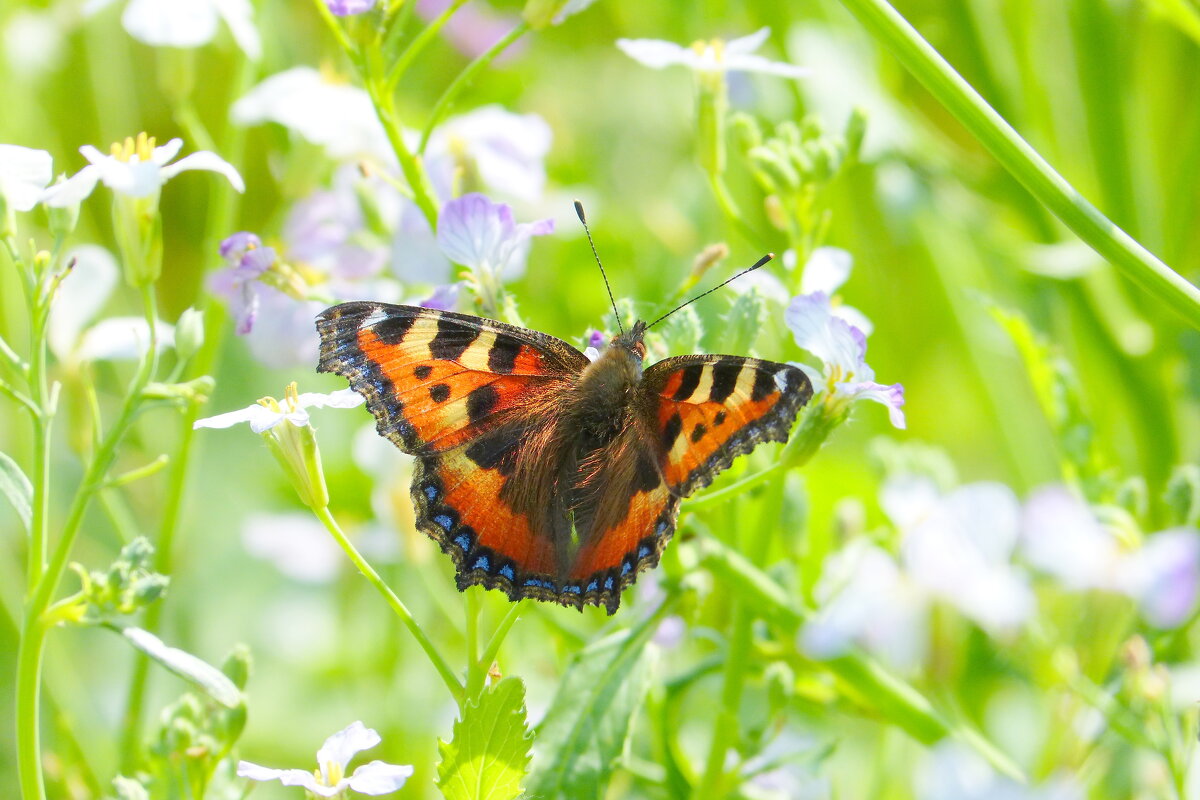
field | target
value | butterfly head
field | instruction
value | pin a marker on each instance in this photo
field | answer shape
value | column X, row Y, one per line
column 631, row 340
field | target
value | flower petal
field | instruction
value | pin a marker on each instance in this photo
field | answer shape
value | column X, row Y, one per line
column 379, row 777
column 345, row 8
column 656, row 53
column 74, row 189
column 342, row 746
column 171, row 23
column 752, row 63
column 508, row 150
column 80, row 296
column 890, row 396
column 1060, row 535
column 260, row 418
column 24, row 173
column 288, row 777
column 747, row 44
column 1164, row 577
column 239, row 16
column 826, row 270
column 342, row 398
column 828, row 338
column 163, row 154
column 203, row 159
column 122, row 339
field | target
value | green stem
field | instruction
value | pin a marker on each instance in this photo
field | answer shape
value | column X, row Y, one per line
column 33, row 633
column 493, row 646
column 476, row 672
column 368, row 572
column 418, row 44
column 464, row 78
column 1016, row 156
column 410, row 165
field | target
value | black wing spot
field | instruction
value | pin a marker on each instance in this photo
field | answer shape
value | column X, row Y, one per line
column 764, row 384
column 392, row 330
column 672, row 431
column 422, row 372
column 452, row 339
column 502, row 358
column 698, row 432
column 439, row 392
column 725, row 376
column 494, row 452
column 481, row 401
column 719, row 419
column 647, row 476
column 689, row 380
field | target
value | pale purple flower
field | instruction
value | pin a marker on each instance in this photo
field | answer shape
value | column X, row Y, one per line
column 444, row 298
column 865, row 599
column 268, row 412
column 506, row 150
column 482, row 235
column 825, row 271
column 1060, row 535
column 330, row 779
column 135, row 168
column 186, row 23
column 24, row 173
column 845, row 376
column 474, row 28
column 960, row 548
column 1163, row 576
column 714, row 57
column 952, row 771
column 346, row 8
column 248, row 259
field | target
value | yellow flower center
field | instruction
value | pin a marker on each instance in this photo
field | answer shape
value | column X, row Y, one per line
column 142, row 147
column 333, row 770
column 291, row 399
column 713, row 49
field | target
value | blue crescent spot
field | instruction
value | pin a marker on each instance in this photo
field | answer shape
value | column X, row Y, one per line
column 661, row 529
column 625, row 568
column 571, row 589
column 431, row 492
column 482, row 563
column 532, row 582
column 643, row 552
column 593, row 586
column 608, row 582
column 507, row 571
column 463, row 541
column 444, row 521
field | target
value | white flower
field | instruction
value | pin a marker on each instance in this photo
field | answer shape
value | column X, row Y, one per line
column 268, row 412
column 329, row 779
column 81, row 296
column 334, row 115
column 33, row 42
column 477, row 233
column 954, row 772
column 24, row 173
column 711, row 57
column 1060, row 535
column 186, row 23
column 135, row 168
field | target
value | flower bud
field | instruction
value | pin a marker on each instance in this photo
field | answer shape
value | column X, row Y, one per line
column 744, row 321
column 137, row 226
column 237, row 665
column 1182, row 495
column 149, row 589
column 856, row 131
column 189, row 333
column 712, row 106
column 63, row 220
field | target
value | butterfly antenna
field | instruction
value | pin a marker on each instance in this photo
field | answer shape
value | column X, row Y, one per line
column 611, row 299
column 757, row 264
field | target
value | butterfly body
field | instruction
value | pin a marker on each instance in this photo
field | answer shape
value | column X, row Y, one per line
column 540, row 472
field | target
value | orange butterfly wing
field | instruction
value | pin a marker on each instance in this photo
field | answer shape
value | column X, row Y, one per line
column 703, row 411
column 461, row 393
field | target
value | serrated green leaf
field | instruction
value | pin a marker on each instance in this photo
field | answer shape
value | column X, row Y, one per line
column 589, row 723
column 488, row 755
column 17, row 488
column 192, row 668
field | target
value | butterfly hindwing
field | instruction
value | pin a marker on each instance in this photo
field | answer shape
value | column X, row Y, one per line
column 708, row 409
column 436, row 379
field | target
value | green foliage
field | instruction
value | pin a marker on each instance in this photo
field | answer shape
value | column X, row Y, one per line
column 588, row 726
column 488, row 755
column 17, row 489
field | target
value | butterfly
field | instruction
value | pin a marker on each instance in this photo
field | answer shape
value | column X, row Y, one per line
column 541, row 472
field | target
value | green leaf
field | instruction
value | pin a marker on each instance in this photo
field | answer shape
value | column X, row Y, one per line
column 187, row 666
column 589, row 723
column 17, row 488
column 489, row 754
